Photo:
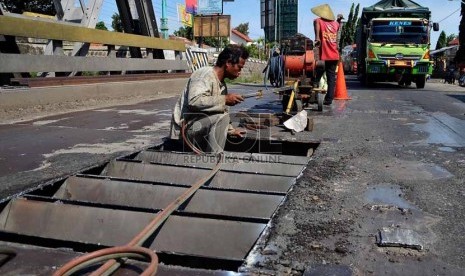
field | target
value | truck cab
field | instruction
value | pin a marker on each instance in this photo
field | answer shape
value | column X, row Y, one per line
column 398, row 50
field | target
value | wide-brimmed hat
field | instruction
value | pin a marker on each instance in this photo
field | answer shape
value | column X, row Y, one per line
column 324, row 11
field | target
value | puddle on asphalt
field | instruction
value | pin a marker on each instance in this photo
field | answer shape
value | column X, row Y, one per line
column 444, row 130
column 387, row 195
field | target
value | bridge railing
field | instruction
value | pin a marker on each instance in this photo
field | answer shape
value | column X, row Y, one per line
column 19, row 26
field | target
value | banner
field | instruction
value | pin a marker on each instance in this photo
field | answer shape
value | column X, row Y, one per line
column 191, row 6
column 184, row 17
column 209, row 7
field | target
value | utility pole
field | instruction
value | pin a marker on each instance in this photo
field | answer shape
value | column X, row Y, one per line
column 276, row 22
column 164, row 20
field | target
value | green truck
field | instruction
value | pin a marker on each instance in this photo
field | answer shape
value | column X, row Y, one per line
column 393, row 41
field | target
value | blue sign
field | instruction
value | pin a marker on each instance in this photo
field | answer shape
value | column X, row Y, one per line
column 207, row 7
column 400, row 23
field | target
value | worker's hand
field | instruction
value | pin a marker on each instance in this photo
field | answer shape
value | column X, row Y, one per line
column 317, row 43
column 233, row 99
column 237, row 132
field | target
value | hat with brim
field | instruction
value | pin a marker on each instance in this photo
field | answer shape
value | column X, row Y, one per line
column 324, row 11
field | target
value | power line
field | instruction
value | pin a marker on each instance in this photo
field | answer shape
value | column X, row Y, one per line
column 449, row 15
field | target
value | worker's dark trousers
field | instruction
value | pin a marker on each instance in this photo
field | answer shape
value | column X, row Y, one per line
column 330, row 69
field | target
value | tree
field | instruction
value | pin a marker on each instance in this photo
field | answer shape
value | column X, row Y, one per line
column 450, row 38
column 101, row 26
column 349, row 28
column 243, row 28
column 186, row 32
column 116, row 23
column 442, row 41
column 37, row 6
column 215, row 42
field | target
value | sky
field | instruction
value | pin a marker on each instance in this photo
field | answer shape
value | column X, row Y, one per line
column 446, row 12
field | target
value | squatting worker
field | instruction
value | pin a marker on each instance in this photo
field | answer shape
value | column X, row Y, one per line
column 326, row 31
column 203, row 107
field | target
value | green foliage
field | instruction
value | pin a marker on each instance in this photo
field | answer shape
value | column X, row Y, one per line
column 442, row 41
column 215, row 42
column 116, row 23
column 186, row 32
column 450, row 38
column 37, row 6
column 89, row 73
column 243, row 28
column 254, row 77
column 101, row 26
column 253, row 50
column 349, row 28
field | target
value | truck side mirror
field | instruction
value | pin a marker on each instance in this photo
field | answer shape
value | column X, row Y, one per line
column 435, row 26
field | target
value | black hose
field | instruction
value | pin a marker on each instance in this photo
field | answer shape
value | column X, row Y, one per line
column 274, row 70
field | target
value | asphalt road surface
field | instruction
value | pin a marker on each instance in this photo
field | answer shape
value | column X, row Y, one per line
column 390, row 170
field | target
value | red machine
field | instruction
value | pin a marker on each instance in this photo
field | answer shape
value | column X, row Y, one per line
column 300, row 66
column 299, row 60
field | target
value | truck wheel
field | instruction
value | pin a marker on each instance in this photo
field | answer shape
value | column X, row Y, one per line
column 420, row 82
column 365, row 80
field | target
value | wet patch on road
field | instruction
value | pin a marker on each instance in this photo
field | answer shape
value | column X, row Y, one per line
column 442, row 129
column 387, row 195
column 46, row 122
column 164, row 112
column 137, row 142
column 406, row 170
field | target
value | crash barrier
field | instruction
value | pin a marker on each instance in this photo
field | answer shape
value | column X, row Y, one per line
column 196, row 58
column 18, row 26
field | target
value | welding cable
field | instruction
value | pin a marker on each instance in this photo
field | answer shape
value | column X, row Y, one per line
column 277, row 70
column 186, row 140
column 274, row 68
column 118, row 252
column 112, row 265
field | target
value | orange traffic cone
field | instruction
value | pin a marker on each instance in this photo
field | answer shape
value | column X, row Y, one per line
column 341, row 89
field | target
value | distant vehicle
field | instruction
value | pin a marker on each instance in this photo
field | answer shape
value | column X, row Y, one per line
column 349, row 59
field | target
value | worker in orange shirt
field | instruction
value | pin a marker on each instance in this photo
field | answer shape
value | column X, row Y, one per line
column 326, row 33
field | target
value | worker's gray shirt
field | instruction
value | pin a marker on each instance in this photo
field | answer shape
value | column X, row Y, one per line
column 204, row 94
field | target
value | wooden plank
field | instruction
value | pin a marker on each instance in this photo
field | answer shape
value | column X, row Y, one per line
column 40, row 28
column 40, row 63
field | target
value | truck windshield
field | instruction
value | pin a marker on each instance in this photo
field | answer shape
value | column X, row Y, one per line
column 399, row 31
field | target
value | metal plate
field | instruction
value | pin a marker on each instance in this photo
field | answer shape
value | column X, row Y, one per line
column 33, row 260
column 188, row 176
column 227, row 203
column 230, row 164
column 204, row 237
